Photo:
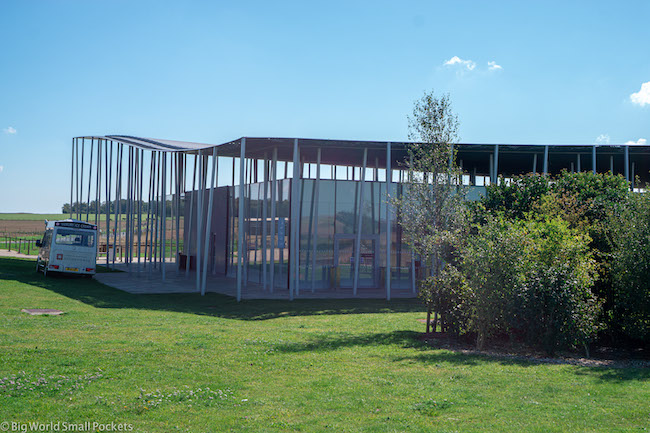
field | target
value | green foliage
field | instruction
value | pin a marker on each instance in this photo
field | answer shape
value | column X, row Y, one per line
column 630, row 239
column 447, row 294
column 556, row 306
column 494, row 270
column 531, row 278
column 518, row 197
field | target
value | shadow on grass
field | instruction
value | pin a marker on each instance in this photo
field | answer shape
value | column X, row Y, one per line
column 94, row 293
column 430, row 356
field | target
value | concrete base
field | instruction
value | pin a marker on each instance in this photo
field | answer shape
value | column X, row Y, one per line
column 144, row 282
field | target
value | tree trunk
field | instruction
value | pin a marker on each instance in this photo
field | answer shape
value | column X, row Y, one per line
column 435, row 321
column 428, row 319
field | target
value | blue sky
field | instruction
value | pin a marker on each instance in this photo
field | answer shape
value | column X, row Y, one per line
column 214, row 71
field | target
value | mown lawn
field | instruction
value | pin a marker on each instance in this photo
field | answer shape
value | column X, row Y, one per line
column 186, row 363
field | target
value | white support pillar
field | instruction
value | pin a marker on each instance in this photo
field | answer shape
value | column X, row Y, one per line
column 199, row 218
column 274, row 178
column 535, row 163
column 593, row 159
column 265, row 223
column 294, row 248
column 357, row 244
column 80, row 192
column 109, row 175
column 545, row 160
column 578, row 167
column 315, row 235
column 211, row 190
column 72, row 165
column 98, row 188
column 187, row 231
column 163, row 219
column 90, row 176
column 240, row 218
column 141, row 167
column 389, row 185
column 492, row 168
column 611, row 164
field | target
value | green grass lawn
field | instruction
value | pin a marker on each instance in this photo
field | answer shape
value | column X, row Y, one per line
column 187, row 363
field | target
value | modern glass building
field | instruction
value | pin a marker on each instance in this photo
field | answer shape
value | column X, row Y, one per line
column 300, row 217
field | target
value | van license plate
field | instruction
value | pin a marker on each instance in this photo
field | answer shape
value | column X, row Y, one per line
column 72, row 269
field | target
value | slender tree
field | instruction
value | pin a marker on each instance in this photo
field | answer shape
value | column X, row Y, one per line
column 431, row 209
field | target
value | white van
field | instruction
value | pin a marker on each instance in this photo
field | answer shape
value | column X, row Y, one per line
column 68, row 246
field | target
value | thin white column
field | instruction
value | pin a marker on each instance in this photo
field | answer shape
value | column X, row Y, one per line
column 208, row 230
column 274, row 181
column 265, row 222
column 188, row 226
column 611, row 164
column 545, row 160
column 315, row 238
column 72, row 178
column 109, row 173
column 90, row 176
column 81, row 187
column 163, row 218
column 240, row 217
column 357, row 244
column 128, row 205
column 294, row 248
column 199, row 218
column 389, row 184
column 578, row 167
column 140, row 187
column 535, row 163
column 98, row 187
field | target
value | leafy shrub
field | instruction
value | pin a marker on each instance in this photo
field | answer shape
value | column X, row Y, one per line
column 630, row 240
column 531, row 278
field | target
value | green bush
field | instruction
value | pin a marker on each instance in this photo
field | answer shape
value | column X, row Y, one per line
column 630, row 240
column 531, row 278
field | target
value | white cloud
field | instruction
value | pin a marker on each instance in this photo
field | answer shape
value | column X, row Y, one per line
column 2, row 167
column 639, row 142
column 642, row 97
column 468, row 64
column 10, row 130
column 492, row 66
column 602, row 139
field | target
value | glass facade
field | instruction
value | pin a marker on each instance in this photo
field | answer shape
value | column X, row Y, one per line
column 328, row 218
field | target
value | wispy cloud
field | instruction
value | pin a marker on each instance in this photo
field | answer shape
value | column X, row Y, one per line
column 10, row 130
column 2, row 167
column 465, row 64
column 642, row 97
column 602, row 139
column 492, row 66
column 639, row 142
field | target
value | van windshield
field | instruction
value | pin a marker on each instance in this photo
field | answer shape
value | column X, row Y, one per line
column 75, row 237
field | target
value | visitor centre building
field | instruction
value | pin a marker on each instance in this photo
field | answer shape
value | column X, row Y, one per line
column 284, row 217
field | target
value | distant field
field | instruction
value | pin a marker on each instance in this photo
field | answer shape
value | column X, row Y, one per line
column 32, row 216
